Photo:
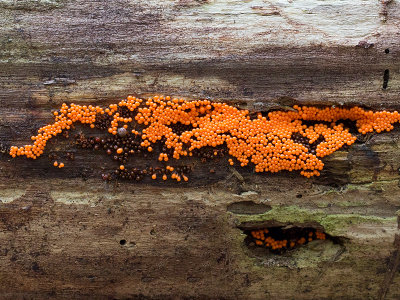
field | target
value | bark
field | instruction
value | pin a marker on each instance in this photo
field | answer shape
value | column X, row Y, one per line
column 67, row 234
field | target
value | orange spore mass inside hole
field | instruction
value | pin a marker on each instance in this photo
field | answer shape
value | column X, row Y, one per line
column 266, row 142
column 263, row 238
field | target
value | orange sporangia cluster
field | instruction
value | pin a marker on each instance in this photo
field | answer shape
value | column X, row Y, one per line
column 63, row 121
column 280, row 140
column 263, row 237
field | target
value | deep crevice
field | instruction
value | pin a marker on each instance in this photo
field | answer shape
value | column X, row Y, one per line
column 284, row 238
column 385, row 79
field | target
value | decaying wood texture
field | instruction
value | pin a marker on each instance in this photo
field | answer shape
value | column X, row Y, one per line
column 62, row 232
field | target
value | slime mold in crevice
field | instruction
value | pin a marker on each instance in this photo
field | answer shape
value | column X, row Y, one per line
column 176, row 128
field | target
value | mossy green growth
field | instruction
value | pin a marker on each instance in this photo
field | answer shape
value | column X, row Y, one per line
column 334, row 224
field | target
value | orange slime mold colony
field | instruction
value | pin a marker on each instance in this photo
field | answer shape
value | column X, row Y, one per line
column 271, row 143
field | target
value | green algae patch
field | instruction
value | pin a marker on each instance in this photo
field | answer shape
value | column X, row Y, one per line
column 316, row 252
column 333, row 224
column 338, row 223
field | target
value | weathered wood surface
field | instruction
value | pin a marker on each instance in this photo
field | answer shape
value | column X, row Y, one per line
column 60, row 230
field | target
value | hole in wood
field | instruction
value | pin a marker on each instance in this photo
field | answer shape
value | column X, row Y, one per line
column 387, row 51
column 385, row 79
column 122, row 242
column 4, row 149
column 280, row 239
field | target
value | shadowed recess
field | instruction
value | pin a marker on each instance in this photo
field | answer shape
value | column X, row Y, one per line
column 280, row 239
column 248, row 208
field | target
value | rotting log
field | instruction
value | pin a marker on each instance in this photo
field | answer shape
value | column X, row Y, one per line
column 68, row 234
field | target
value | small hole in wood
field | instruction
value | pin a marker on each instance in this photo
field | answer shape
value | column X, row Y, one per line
column 299, row 196
column 122, row 242
column 387, row 51
column 279, row 239
column 385, row 79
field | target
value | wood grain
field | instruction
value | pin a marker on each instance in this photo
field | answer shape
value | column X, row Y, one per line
column 62, row 231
